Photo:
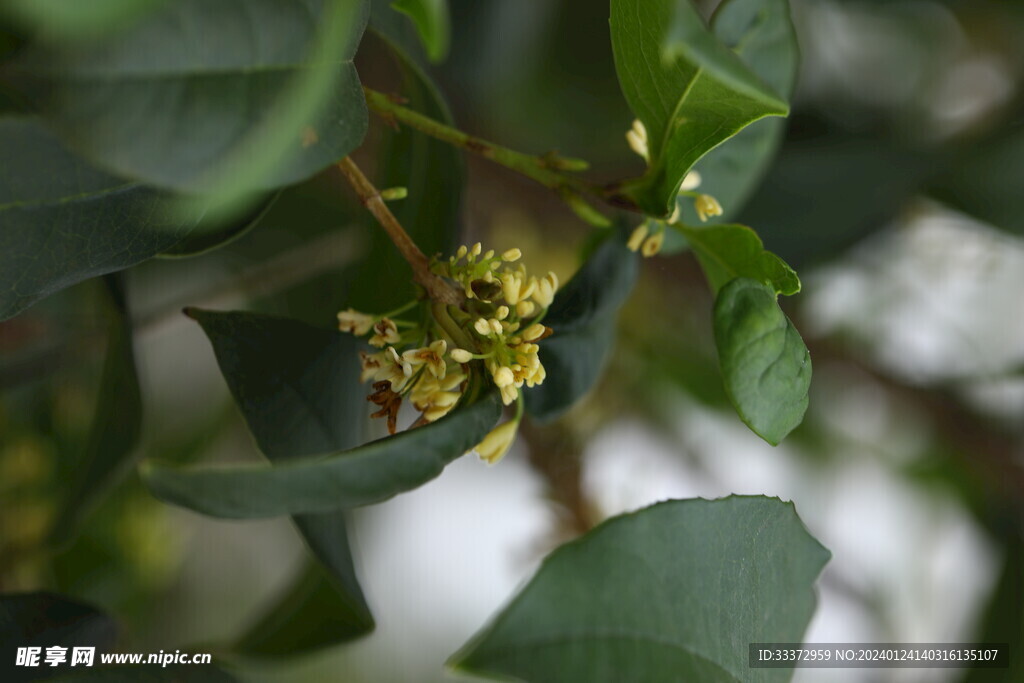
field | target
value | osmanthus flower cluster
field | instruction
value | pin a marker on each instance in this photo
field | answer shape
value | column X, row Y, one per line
column 650, row 235
column 430, row 361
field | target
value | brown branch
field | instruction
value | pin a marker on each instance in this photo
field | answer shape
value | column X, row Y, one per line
column 437, row 288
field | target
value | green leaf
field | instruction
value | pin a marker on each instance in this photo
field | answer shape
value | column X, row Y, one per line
column 148, row 673
column 298, row 388
column 214, row 232
column 761, row 33
column 727, row 252
column 432, row 23
column 64, row 221
column 44, row 619
column 313, row 614
column 297, row 385
column 214, row 98
column 116, row 424
column 690, row 90
column 985, row 182
column 583, row 317
column 765, row 365
column 73, row 19
column 674, row 592
column 434, row 174
column 361, row 476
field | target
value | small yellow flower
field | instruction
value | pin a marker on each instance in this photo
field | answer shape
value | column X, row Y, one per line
column 503, row 377
column 371, row 363
column 431, row 356
column 511, row 286
column 512, row 255
column 482, row 327
column 637, row 138
column 638, row 236
column 353, row 321
column 497, row 442
column 544, row 293
column 690, row 182
column 461, row 355
column 706, row 206
column 385, row 332
column 501, row 313
column 525, row 309
column 652, row 245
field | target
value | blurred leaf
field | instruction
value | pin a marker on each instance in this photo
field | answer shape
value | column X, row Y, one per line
column 674, row 592
column 583, row 317
column 690, row 90
column 214, row 232
column 765, row 365
column 361, row 476
column 985, row 182
column 809, row 216
column 313, row 614
column 44, row 620
column 297, row 385
column 116, row 424
column 64, row 221
column 432, row 22
column 761, row 33
column 727, row 252
column 71, row 19
column 298, row 388
column 434, row 174
column 1003, row 621
column 214, row 98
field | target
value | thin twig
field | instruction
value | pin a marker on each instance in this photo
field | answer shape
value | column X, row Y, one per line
column 548, row 170
column 437, row 288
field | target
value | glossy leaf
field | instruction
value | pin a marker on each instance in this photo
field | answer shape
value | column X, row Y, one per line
column 727, row 252
column 216, row 98
column 64, row 221
column 583, row 317
column 432, row 23
column 298, row 389
column 761, row 33
column 361, row 476
column 312, row 614
column 689, row 89
column 985, row 182
column 73, row 19
column 765, row 365
column 674, row 592
column 116, row 424
column 43, row 619
column 433, row 173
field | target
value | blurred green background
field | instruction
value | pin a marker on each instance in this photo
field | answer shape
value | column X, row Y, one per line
column 899, row 196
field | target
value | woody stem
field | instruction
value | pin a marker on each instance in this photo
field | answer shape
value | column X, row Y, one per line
column 436, row 287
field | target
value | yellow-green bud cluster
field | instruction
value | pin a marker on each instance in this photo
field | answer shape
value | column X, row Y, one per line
column 499, row 322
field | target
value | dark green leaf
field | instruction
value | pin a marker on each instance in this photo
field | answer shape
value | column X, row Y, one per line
column 583, row 317
column 297, row 385
column 675, row 592
column 213, row 232
column 727, row 252
column 762, row 34
column 313, row 614
column 985, row 182
column 434, row 174
column 63, row 221
column 689, row 89
column 73, row 19
column 215, row 98
column 361, row 476
column 765, row 365
column 44, row 619
column 432, row 22
column 298, row 388
column 116, row 424
column 149, row 673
